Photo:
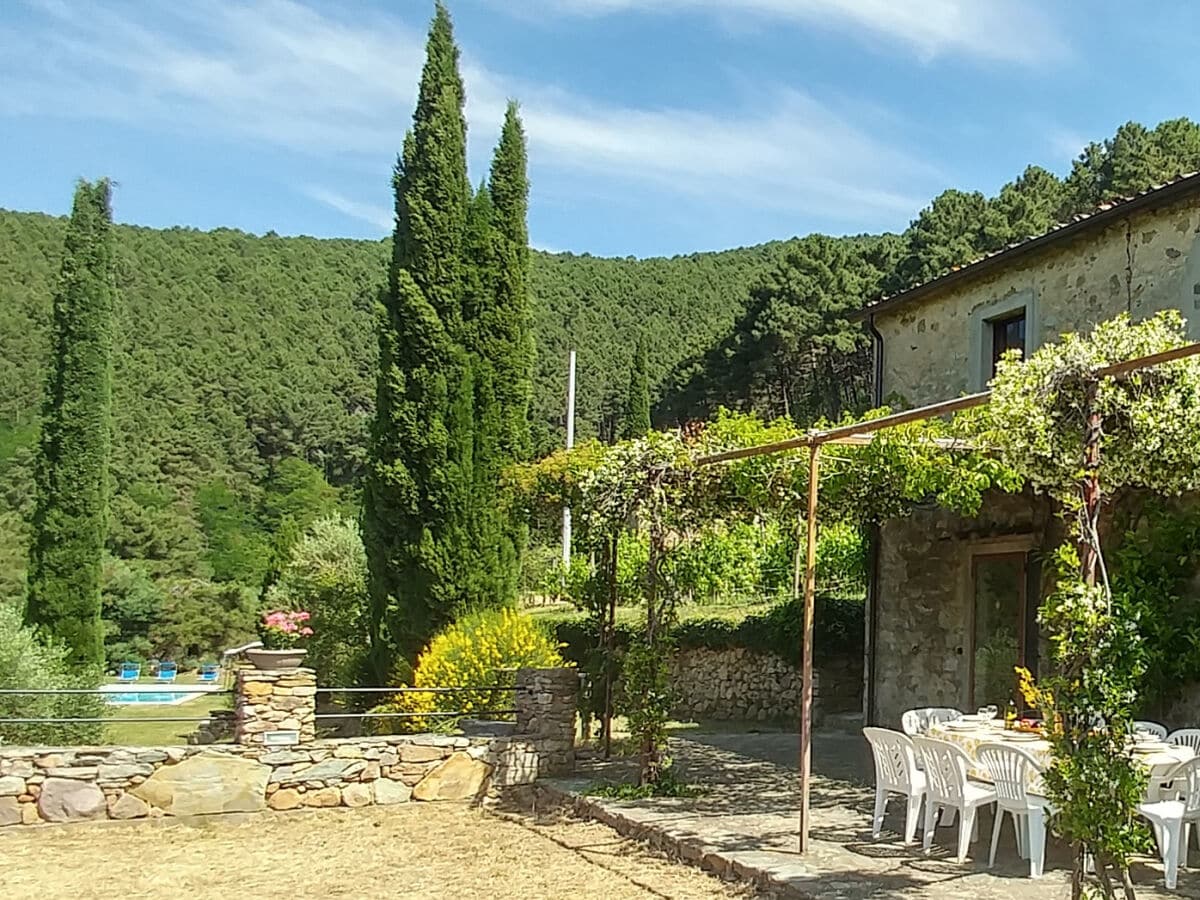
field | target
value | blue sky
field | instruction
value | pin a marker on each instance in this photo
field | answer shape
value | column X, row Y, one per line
column 655, row 126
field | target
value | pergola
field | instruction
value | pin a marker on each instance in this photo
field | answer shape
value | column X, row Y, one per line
column 862, row 433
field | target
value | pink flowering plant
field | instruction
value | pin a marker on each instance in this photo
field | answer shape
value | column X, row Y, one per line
column 283, row 629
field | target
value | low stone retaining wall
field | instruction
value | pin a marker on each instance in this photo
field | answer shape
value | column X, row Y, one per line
column 738, row 683
column 67, row 784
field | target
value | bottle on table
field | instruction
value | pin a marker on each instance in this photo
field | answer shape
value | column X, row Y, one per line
column 1010, row 715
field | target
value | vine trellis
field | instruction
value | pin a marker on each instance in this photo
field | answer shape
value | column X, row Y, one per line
column 1119, row 408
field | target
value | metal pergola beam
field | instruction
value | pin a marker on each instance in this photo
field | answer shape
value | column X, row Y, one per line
column 861, row 433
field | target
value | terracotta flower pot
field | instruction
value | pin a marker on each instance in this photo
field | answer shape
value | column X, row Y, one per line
column 276, row 659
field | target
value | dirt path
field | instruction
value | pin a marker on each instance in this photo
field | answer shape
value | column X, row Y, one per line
column 426, row 850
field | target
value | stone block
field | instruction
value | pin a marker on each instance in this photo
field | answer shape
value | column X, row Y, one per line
column 458, row 778
column 123, row 772
column 414, row 753
column 128, row 806
column 29, row 814
column 326, row 770
column 348, row 751
column 389, row 792
column 10, row 811
column 284, row 757
column 69, row 800
column 329, row 796
column 207, row 783
column 285, row 798
column 11, row 785
column 356, row 795
column 81, row 773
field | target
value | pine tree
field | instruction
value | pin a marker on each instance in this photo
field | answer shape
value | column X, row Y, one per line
column 71, row 515
column 420, row 476
column 636, row 421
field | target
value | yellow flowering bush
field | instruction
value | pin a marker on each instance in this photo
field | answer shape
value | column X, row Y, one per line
column 476, row 651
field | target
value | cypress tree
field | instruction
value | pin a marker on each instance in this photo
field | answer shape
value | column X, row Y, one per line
column 509, row 332
column 70, row 518
column 636, row 422
column 420, row 475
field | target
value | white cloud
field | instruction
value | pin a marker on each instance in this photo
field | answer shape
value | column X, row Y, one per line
column 342, row 90
column 1003, row 30
column 378, row 216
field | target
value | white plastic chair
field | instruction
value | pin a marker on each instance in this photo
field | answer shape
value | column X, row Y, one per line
column 947, row 787
column 1185, row 737
column 1159, row 731
column 917, row 721
column 1173, row 819
column 1011, row 770
column 896, row 772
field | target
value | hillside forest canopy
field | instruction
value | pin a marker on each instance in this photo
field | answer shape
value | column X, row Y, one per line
column 244, row 369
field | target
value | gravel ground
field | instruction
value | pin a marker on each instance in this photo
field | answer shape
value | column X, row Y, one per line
column 420, row 850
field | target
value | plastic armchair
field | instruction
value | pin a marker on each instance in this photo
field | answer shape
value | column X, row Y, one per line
column 896, row 772
column 1185, row 737
column 947, row 787
column 1172, row 820
column 918, row 721
column 1012, row 770
column 1154, row 728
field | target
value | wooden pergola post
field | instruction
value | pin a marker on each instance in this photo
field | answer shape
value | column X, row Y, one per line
column 806, row 649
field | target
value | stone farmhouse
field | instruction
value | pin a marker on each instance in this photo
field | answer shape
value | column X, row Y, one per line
column 953, row 601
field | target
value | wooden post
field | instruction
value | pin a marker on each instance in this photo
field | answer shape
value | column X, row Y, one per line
column 806, row 662
column 610, row 628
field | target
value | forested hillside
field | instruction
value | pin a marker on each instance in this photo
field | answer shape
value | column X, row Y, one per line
column 245, row 365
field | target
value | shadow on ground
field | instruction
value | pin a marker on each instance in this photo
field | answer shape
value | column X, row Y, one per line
column 747, row 822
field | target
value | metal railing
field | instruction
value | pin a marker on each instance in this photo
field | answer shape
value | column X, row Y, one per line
column 490, row 689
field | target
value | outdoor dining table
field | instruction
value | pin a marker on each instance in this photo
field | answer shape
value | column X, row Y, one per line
column 968, row 736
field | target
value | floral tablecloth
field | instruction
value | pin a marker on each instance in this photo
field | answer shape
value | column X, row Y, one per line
column 1159, row 764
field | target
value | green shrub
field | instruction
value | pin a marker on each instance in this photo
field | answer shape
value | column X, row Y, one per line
column 477, row 650
column 27, row 664
column 326, row 575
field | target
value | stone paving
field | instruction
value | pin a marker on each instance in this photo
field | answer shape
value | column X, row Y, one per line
column 746, row 826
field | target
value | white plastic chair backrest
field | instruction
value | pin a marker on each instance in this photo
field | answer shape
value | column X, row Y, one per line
column 917, row 721
column 945, row 770
column 1185, row 737
column 1186, row 778
column 895, row 759
column 1159, row 731
column 1011, row 770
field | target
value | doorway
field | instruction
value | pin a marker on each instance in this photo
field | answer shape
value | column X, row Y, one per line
column 1004, row 632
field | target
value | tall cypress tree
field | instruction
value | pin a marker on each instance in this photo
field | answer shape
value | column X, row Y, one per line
column 419, row 484
column 636, row 422
column 71, row 515
column 509, row 332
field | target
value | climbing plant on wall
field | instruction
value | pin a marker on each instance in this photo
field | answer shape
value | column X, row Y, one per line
column 1081, row 434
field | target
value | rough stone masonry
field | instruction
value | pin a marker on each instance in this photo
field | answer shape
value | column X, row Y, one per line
column 70, row 784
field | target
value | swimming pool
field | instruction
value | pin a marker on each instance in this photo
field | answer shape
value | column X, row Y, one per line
column 150, row 695
column 156, row 697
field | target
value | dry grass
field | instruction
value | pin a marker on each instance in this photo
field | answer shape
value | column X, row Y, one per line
column 425, row 850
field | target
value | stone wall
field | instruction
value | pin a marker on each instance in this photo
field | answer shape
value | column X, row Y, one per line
column 1145, row 263
column 924, row 627
column 742, row 684
column 279, row 700
column 65, row 784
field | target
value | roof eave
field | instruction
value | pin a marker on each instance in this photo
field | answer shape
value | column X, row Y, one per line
column 1164, row 195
